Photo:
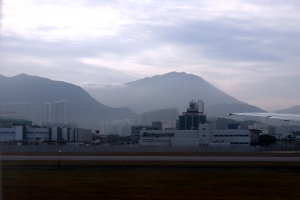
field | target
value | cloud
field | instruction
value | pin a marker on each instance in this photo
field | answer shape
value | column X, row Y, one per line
column 104, row 86
column 235, row 45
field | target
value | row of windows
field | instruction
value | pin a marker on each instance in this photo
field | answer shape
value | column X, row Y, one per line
column 231, row 135
column 239, row 142
column 27, row 132
column 37, row 132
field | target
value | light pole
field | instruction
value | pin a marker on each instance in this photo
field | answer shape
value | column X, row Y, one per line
column 59, row 158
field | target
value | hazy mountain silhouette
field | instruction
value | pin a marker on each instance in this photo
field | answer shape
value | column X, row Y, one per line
column 82, row 107
column 222, row 110
column 169, row 90
column 292, row 110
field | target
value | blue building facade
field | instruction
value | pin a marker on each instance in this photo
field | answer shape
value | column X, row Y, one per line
column 194, row 116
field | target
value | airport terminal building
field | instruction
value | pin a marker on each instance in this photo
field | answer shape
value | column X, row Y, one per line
column 204, row 136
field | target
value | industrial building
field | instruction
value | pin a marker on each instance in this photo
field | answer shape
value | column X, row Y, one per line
column 194, row 131
column 21, row 110
column 204, row 136
column 264, row 128
column 136, row 130
column 21, row 131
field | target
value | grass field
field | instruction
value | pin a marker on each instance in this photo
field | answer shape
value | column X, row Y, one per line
column 149, row 180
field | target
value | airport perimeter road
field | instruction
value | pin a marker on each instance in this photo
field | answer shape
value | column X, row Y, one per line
column 153, row 158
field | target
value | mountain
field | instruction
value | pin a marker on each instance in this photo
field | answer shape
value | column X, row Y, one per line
column 222, row 110
column 162, row 91
column 36, row 90
column 292, row 110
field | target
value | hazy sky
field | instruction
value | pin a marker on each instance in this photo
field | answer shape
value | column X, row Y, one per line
column 249, row 49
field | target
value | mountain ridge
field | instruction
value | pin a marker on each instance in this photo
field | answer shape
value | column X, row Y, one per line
column 174, row 89
column 38, row 90
column 292, row 110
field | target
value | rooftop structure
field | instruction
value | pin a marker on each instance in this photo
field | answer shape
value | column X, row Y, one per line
column 194, row 116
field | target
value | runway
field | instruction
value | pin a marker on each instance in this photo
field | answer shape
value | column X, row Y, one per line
column 151, row 158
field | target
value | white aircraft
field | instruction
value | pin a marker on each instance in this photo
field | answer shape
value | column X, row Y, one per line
column 285, row 117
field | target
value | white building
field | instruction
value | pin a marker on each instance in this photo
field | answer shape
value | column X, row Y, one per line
column 61, row 111
column 262, row 127
column 168, row 124
column 146, row 118
column 80, row 134
column 212, row 121
column 116, row 127
column 13, row 133
column 28, row 134
column 33, row 133
column 204, row 136
column 201, row 107
column 48, row 112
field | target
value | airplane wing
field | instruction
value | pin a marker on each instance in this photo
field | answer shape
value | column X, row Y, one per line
column 285, row 117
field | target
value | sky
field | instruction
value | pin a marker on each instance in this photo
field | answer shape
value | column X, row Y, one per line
column 249, row 49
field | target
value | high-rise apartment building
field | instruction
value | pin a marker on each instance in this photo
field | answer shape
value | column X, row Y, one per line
column 147, row 118
column 48, row 111
column 61, row 111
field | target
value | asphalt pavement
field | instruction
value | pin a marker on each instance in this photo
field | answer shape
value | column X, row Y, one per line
column 152, row 158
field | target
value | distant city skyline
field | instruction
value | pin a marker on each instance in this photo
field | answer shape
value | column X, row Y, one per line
column 248, row 49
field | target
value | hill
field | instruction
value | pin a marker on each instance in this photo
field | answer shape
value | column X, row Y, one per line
column 162, row 91
column 222, row 110
column 292, row 110
column 36, row 90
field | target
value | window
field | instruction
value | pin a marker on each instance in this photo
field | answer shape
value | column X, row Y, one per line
column 245, row 135
column 203, row 128
column 204, row 135
column 216, row 135
column 225, row 135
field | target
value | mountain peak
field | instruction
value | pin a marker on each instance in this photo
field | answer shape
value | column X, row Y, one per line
column 168, row 78
column 291, row 110
column 173, row 89
column 20, row 75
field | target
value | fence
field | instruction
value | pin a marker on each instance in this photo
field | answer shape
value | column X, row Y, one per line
column 281, row 147
column 123, row 149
